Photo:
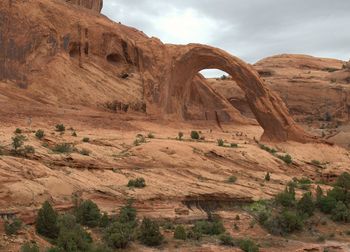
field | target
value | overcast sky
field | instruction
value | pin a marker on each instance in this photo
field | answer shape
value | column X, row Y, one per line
column 249, row 29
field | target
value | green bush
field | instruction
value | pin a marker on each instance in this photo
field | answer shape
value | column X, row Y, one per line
column 127, row 214
column 306, row 205
column 29, row 247
column 180, row 233
column 221, row 143
column 209, row 227
column 341, row 212
column 118, row 235
column 343, row 181
column 104, row 221
column 88, row 214
column 86, row 139
column 28, row 150
column 46, row 222
column 268, row 149
column 60, row 128
column 12, row 227
column 194, row 235
column 326, row 204
column 40, row 134
column 227, row 240
column 234, row 145
column 248, row 245
column 290, row 221
column 286, row 158
column 17, row 142
column 232, row 179
column 149, row 233
column 287, row 197
column 63, row 148
column 18, row 131
column 74, row 238
column 137, row 183
column 195, row 135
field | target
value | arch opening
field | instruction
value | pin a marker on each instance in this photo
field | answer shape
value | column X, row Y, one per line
column 268, row 108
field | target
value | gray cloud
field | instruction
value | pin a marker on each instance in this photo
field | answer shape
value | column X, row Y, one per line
column 250, row 29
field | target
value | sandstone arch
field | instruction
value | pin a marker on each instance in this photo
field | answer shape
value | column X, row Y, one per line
column 268, row 108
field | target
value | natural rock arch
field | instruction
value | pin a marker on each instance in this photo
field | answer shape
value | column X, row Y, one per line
column 268, row 108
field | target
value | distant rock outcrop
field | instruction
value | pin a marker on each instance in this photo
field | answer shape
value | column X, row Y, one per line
column 65, row 55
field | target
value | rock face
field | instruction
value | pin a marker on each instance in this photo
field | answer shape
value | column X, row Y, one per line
column 80, row 58
column 95, row 5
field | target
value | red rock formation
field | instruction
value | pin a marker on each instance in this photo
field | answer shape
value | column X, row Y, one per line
column 95, row 5
column 62, row 55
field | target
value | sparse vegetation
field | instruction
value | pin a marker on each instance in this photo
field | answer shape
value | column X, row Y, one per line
column 85, row 152
column 88, row 214
column 267, row 177
column 74, row 134
column 232, row 179
column 118, row 235
column 86, row 140
column 221, row 142
column 40, row 134
column 17, row 142
column 195, row 135
column 248, row 245
column 150, row 135
column 12, row 226
column 234, row 145
column 60, row 128
column 268, row 149
column 180, row 233
column 63, row 148
column 286, row 158
column 149, row 233
column 137, row 183
column 139, row 140
column 46, row 222
column 214, row 227
column 29, row 247
column 180, row 135
column 18, row 131
column 227, row 240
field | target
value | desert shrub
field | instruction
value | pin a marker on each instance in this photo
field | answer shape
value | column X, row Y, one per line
column 195, row 135
column 319, row 194
column 227, row 240
column 286, row 158
column 127, row 214
column 214, row 227
column 28, row 150
column 100, row 248
column 341, row 212
column 248, row 245
column 88, row 214
column 29, row 247
column 63, row 148
column 74, row 238
column 180, row 233
column 315, row 162
column 232, row 179
column 55, row 249
column 85, row 152
column 180, row 135
column 306, row 204
column 221, row 142
column 118, row 235
column 234, row 145
column 290, row 221
column 326, row 204
column 139, row 140
column 137, row 183
column 287, row 197
column 12, row 227
column 46, row 222
column 267, row 176
column 18, row 131
column 86, row 139
column 194, row 235
column 343, row 181
column 339, row 194
column 150, row 135
column 60, row 128
column 40, row 134
column 149, row 233
column 104, row 220
column 268, row 149
column 17, row 142
column 74, row 134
